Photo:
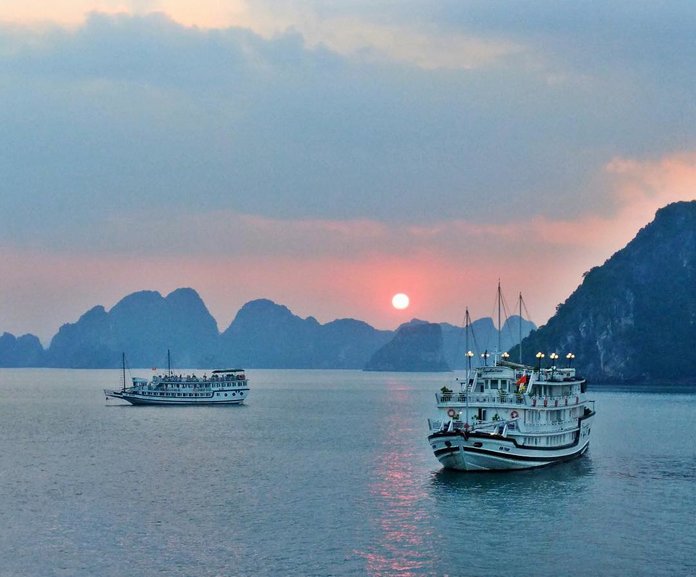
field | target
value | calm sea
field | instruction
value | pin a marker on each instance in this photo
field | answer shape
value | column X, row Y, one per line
column 327, row 473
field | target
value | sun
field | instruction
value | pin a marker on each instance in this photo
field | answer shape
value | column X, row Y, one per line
column 400, row 301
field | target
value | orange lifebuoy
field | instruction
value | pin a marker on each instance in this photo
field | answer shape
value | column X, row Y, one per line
column 451, row 412
column 514, row 415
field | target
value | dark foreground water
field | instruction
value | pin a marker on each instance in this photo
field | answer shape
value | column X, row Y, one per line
column 327, row 473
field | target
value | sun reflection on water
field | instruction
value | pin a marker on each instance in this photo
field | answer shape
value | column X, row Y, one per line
column 402, row 543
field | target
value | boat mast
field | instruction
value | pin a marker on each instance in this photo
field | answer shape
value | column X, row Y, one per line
column 520, row 341
column 123, row 368
column 469, row 354
column 169, row 363
column 467, row 327
column 500, row 299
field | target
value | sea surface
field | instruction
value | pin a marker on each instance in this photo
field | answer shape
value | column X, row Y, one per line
column 327, row 473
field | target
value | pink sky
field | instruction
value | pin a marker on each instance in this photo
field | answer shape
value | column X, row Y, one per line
column 354, row 267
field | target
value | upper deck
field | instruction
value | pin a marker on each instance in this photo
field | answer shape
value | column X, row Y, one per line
column 515, row 384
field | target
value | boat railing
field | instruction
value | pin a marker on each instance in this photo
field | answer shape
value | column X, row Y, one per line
column 445, row 399
column 458, row 399
column 493, row 426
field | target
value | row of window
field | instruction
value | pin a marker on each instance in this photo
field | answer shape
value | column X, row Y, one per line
column 146, row 393
column 550, row 441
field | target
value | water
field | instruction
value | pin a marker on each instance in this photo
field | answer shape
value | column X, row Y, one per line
column 327, row 473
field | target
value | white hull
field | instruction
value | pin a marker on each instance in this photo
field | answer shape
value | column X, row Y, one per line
column 212, row 399
column 509, row 418
column 224, row 387
column 497, row 454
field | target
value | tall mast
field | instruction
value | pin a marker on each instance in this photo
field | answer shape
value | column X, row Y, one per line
column 169, row 363
column 123, row 368
column 467, row 322
column 469, row 354
column 520, row 341
column 500, row 298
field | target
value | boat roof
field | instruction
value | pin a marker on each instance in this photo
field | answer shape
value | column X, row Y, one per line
column 218, row 371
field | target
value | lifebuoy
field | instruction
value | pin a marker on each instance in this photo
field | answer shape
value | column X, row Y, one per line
column 514, row 415
column 451, row 412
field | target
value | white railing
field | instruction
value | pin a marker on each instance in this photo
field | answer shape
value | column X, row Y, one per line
column 460, row 399
column 455, row 399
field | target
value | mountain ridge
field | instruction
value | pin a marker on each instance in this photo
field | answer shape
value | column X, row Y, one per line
column 631, row 320
column 263, row 334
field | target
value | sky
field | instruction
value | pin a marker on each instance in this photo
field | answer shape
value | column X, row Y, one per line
column 329, row 154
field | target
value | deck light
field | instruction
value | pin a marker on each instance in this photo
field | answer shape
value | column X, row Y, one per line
column 539, row 356
column 570, row 357
column 485, row 356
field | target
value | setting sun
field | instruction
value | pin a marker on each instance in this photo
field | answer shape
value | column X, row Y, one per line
column 400, row 301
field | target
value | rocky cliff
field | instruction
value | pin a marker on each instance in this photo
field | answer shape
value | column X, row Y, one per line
column 633, row 319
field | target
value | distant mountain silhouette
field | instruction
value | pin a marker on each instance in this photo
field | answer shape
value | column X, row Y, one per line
column 416, row 347
column 24, row 351
column 445, row 348
column 144, row 325
column 633, row 319
column 264, row 334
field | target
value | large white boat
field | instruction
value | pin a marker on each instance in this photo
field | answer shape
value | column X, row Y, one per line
column 222, row 387
column 512, row 416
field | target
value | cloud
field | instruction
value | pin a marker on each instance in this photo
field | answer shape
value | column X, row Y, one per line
column 140, row 110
